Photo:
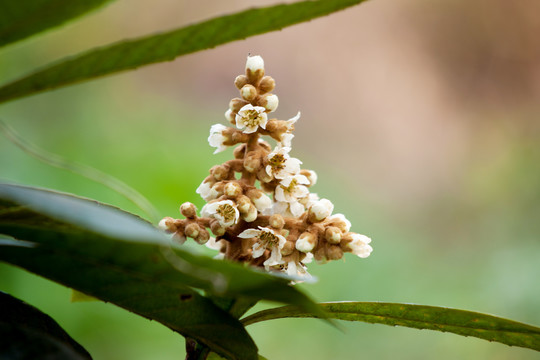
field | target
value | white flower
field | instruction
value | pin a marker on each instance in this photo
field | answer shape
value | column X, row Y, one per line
column 251, row 117
column 287, row 136
column 359, row 245
column 280, row 164
column 340, row 221
column 206, row 191
column 254, row 63
column 293, row 209
column 309, row 200
column 321, row 209
column 292, row 188
column 224, row 211
column 262, row 203
column 298, row 268
column 266, row 238
column 214, row 245
column 216, row 138
column 286, row 140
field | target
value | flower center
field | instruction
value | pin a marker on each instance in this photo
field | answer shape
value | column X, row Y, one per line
column 277, row 162
column 227, row 212
column 268, row 238
column 251, row 118
column 291, row 186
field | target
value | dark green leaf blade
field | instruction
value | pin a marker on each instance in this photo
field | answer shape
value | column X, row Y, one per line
column 134, row 53
column 115, row 231
column 27, row 333
column 21, row 19
column 460, row 322
column 132, row 287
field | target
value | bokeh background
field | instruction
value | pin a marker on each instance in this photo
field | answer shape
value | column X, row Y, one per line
column 421, row 118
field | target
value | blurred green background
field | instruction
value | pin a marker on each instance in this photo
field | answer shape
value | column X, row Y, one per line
column 421, row 119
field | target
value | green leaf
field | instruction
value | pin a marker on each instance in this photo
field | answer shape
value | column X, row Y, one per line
column 460, row 322
column 118, row 257
column 166, row 46
column 27, row 333
column 21, row 19
column 49, row 218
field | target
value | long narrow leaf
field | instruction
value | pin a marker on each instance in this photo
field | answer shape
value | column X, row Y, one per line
column 108, row 235
column 167, row 46
column 20, row 19
column 460, row 322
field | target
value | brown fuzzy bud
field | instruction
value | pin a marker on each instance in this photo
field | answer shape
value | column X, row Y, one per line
column 203, row 237
column 320, row 255
column 188, row 210
column 216, row 228
column 220, row 172
column 239, row 151
column 332, row 235
column 267, row 84
column 254, row 69
column 236, row 104
column 243, row 203
column 248, row 92
column 233, row 189
column 251, row 214
column 266, row 146
column 288, row 248
column 276, row 221
column 306, row 242
column 263, row 176
column 252, row 161
column 334, row 252
column 167, row 224
column 270, row 102
column 192, row 230
column 240, row 81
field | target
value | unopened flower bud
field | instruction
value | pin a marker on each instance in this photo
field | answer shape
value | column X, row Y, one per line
column 240, row 81
column 252, row 162
column 192, row 230
column 288, row 248
column 276, row 221
column 203, row 237
column 239, row 151
column 320, row 255
column 306, row 242
column 179, row 237
column 332, row 235
column 254, row 68
column 267, row 84
column 334, row 252
column 248, row 92
column 216, row 191
column 167, row 224
column 267, row 186
column 220, row 172
column 188, row 210
column 270, row 102
column 263, row 176
column 320, row 210
column 251, row 214
column 243, row 203
column 216, row 227
column 259, row 199
column 230, row 116
column 236, row 104
column 233, row 189
column 311, row 176
column 339, row 221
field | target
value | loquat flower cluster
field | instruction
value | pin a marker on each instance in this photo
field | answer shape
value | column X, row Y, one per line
column 267, row 217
